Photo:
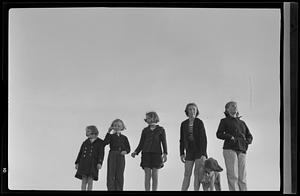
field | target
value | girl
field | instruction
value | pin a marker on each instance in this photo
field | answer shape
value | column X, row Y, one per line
column 150, row 143
column 237, row 137
column 90, row 158
column 193, row 145
column 119, row 146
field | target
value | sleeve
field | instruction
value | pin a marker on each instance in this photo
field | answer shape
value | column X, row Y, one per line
column 127, row 145
column 141, row 143
column 106, row 139
column 222, row 132
column 164, row 141
column 79, row 154
column 181, row 140
column 204, row 140
column 101, row 153
column 249, row 137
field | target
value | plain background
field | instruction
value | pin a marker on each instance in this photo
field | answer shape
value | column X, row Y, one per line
column 70, row 68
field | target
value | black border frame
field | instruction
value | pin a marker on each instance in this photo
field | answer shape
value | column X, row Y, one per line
column 167, row 4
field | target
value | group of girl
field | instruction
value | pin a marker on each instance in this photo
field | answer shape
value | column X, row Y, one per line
column 153, row 147
column 91, row 154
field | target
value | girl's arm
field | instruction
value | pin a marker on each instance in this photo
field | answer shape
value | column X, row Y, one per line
column 141, row 143
column 107, row 139
column 203, row 140
column 222, row 132
column 181, row 140
column 248, row 135
column 79, row 154
column 164, row 141
column 101, row 154
column 127, row 145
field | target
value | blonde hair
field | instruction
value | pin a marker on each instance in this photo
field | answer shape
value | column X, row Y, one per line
column 154, row 116
column 118, row 120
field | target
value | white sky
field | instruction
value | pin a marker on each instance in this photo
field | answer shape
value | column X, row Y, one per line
column 70, row 68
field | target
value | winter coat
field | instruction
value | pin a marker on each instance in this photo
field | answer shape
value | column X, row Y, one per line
column 234, row 126
column 89, row 156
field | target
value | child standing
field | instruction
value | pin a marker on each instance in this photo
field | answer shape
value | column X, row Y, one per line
column 90, row 158
column 150, row 143
column 119, row 146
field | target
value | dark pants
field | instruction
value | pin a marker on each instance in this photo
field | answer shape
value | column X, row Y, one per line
column 115, row 171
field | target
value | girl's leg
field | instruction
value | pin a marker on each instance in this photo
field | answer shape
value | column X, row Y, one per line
column 198, row 172
column 231, row 163
column 242, row 172
column 147, row 178
column 120, row 173
column 111, row 171
column 188, row 168
column 83, row 183
column 154, row 179
column 90, row 183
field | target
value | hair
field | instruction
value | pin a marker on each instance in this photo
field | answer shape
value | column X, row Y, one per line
column 153, row 115
column 93, row 129
column 227, row 106
column 187, row 106
column 118, row 120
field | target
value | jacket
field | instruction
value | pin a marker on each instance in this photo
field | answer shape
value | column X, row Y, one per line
column 117, row 143
column 89, row 156
column 233, row 126
column 151, row 141
column 199, row 134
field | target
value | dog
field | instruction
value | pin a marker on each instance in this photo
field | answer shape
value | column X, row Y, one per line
column 211, row 178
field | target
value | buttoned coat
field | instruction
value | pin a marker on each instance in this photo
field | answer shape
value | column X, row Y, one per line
column 89, row 156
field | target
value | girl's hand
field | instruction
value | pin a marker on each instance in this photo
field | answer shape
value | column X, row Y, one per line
column 76, row 166
column 182, row 157
column 123, row 152
column 164, row 158
column 99, row 166
column 109, row 129
column 133, row 154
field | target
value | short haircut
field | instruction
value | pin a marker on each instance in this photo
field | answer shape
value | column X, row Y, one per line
column 154, row 116
column 188, row 105
column 119, row 120
column 228, row 104
column 93, row 129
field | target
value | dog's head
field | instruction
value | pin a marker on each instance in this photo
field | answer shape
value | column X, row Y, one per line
column 211, row 164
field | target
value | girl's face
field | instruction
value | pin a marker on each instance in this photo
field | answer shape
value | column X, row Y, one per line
column 89, row 134
column 232, row 109
column 192, row 111
column 117, row 126
column 149, row 120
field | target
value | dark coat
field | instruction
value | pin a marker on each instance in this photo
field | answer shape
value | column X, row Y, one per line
column 89, row 156
column 230, row 126
column 117, row 143
column 151, row 141
column 199, row 134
